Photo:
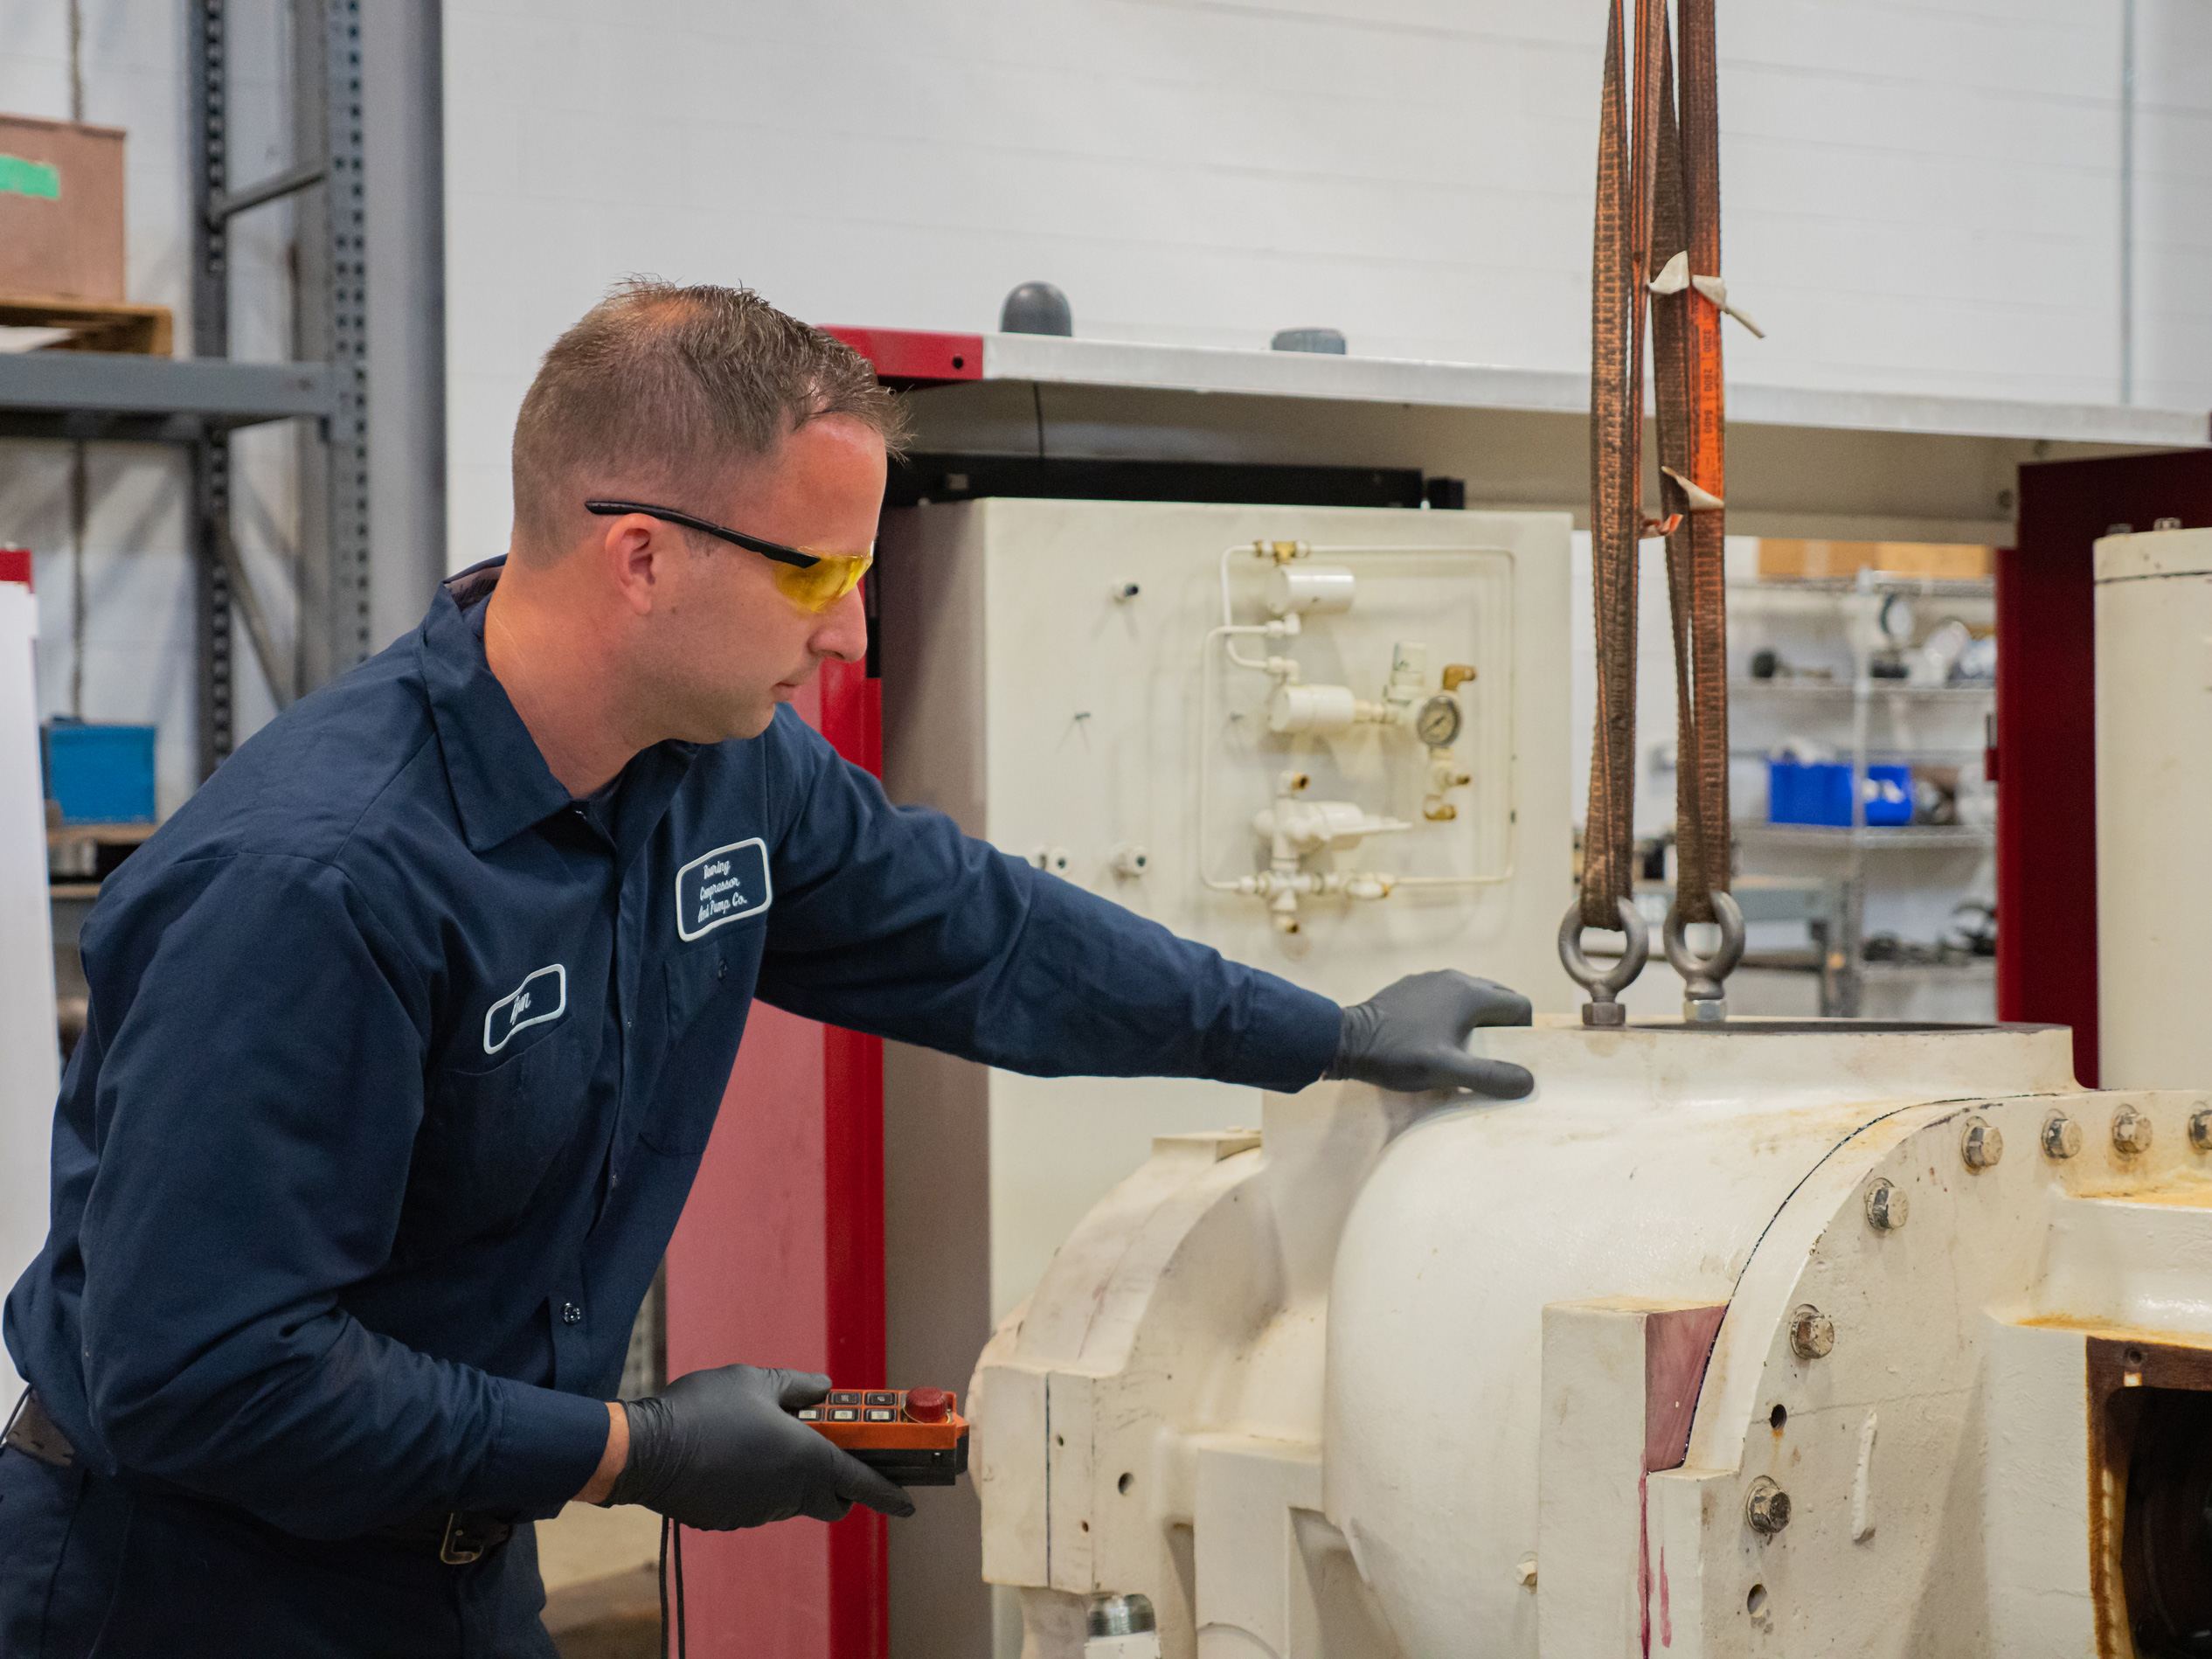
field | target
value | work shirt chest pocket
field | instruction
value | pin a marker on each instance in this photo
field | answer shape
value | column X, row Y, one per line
column 490, row 1136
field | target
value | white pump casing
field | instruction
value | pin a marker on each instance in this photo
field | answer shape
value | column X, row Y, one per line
column 1382, row 1380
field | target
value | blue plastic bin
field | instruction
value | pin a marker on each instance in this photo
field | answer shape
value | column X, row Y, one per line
column 1820, row 793
column 100, row 773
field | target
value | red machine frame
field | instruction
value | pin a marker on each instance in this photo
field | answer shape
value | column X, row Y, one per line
column 779, row 1260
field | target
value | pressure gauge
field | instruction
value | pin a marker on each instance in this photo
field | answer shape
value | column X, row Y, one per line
column 1438, row 721
column 1896, row 620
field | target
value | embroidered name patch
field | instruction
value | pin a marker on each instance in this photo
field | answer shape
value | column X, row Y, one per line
column 724, row 885
column 543, row 996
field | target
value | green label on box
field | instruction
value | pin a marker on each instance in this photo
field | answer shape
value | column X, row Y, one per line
column 20, row 177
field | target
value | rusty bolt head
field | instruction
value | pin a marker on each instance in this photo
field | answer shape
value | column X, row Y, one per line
column 1982, row 1144
column 2062, row 1136
column 1812, row 1333
column 1887, row 1208
column 2200, row 1127
column 1766, row 1507
column 2130, row 1131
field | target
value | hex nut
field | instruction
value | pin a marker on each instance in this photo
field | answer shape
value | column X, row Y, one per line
column 2201, row 1129
column 1812, row 1333
column 2130, row 1131
column 2062, row 1136
column 1766, row 1508
column 1982, row 1144
column 1887, row 1208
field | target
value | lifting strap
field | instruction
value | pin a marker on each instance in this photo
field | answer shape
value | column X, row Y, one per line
column 1616, row 509
column 1685, row 351
column 1658, row 232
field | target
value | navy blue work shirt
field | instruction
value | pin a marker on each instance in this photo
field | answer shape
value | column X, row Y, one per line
column 400, row 1064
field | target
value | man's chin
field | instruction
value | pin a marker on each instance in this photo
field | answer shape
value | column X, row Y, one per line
column 730, row 725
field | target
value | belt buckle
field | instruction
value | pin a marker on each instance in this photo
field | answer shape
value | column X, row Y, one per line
column 462, row 1543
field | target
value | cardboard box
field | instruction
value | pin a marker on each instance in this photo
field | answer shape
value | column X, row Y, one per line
column 61, row 210
column 1948, row 561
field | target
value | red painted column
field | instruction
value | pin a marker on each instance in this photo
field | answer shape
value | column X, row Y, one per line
column 779, row 1260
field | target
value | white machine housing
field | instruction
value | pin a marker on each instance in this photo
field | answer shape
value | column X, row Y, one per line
column 1386, row 1379
column 1055, row 681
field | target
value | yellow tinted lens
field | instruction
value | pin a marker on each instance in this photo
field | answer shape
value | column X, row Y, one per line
column 824, row 582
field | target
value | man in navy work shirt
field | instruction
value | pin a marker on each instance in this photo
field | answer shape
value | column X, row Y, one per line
column 407, row 1032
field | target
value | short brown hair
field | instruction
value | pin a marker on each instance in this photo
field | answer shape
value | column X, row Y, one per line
column 660, row 385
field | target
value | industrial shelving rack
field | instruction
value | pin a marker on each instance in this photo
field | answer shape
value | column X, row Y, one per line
column 196, row 403
column 1855, row 600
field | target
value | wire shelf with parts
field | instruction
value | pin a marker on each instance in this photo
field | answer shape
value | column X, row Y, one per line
column 1861, row 710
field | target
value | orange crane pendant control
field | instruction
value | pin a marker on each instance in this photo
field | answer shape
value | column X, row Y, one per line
column 910, row 1435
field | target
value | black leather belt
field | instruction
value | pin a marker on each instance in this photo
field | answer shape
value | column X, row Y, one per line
column 459, row 1536
column 35, row 1435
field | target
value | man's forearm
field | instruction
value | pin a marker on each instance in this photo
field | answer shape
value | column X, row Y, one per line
column 611, row 1460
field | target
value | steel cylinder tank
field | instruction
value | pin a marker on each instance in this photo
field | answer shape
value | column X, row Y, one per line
column 1777, row 1338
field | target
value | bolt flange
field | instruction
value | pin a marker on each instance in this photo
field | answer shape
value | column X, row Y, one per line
column 1982, row 1144
column 2130, row 1131
column 1766, row 1508
column 2200, row 1127
column 1887, row 1208
column 2062, row 1136
column 1812, row 1333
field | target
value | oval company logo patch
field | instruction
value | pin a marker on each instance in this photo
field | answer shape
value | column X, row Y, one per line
column 543, row 996
column 724, row 885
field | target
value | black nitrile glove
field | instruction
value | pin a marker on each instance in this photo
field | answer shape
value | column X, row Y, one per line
column 1411, row 1037
column 720, row 1449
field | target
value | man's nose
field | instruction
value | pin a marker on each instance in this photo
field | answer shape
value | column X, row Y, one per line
column 844, row 633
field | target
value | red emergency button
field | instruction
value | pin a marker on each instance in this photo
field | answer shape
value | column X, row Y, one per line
column 927, row 1405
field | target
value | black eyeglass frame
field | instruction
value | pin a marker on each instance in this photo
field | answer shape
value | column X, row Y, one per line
column 774, row 549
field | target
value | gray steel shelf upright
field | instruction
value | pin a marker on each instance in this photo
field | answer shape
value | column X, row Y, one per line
column 329, row 333
column 198, row 402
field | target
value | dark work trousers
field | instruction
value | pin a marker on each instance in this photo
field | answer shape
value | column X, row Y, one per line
column 87, row 1569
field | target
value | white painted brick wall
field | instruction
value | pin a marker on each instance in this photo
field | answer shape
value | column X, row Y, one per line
column 1919, row 197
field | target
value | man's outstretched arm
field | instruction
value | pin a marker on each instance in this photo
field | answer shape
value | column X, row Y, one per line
column 888, row 920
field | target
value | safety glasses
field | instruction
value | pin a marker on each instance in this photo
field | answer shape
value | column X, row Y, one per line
column 811, row 581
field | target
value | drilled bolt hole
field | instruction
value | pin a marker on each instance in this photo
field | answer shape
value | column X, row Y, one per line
column 1776, row 1418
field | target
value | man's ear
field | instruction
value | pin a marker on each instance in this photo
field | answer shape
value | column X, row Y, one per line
column 633, row 553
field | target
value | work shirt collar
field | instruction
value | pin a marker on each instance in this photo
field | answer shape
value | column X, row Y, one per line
column 501, row 783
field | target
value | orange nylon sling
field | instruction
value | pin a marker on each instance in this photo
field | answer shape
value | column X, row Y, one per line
column 1657, row 232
